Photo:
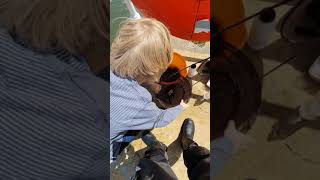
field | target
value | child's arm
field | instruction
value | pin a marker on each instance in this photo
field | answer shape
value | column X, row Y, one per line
column 152, row 117
column 223, row 148
column 221, row 152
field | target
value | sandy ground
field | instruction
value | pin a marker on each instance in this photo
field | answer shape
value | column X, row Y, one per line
column 199, row 111
column 125, row 167
column 286, row 88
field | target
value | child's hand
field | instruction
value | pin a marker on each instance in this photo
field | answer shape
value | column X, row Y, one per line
column 184, row 105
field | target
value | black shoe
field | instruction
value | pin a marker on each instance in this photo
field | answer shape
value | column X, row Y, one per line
column 187, row 133
column 151, row 141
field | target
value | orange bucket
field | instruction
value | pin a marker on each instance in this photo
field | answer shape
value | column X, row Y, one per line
column 180, row 63
column 236, row 36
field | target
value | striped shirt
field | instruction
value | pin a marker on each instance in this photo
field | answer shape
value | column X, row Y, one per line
column 131, row 108
column 221, row 152
column 52, row 115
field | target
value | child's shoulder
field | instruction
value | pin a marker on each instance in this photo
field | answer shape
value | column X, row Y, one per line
column 141, row 94
column 130, row 88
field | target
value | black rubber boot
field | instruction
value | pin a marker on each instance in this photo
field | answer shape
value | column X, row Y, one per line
column 187, row 133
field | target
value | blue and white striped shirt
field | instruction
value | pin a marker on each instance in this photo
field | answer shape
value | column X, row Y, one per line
column 52, row 115
column 131, row 108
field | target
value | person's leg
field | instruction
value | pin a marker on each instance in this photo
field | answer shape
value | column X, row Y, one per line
column 196, row 158
column 131, row 136
column 155, row 163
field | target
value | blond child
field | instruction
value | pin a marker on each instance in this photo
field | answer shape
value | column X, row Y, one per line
column 140, row 53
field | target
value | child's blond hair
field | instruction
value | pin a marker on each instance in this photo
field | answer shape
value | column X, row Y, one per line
column 79, row 26
column 142, row 50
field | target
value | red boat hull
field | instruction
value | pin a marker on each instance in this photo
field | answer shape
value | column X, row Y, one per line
column 179, row 16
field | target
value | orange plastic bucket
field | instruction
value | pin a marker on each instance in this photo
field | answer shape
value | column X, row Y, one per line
column 221, row 14
column 180, row 63
column 176, row 71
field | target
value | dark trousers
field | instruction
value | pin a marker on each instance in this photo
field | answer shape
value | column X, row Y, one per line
column 155, row 165
column 136, row 134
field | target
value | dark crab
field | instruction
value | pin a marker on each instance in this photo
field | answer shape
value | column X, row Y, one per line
column 236, row 95
column 171, row 90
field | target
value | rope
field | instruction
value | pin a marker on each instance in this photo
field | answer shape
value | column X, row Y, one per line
column 280, row 65
column 203, row 60
column 251, row 16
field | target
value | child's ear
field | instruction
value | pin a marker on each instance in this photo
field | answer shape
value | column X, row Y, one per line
column 152, row 87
